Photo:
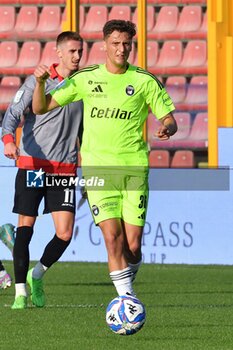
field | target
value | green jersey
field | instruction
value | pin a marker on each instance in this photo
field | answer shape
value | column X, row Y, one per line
column 115, row 109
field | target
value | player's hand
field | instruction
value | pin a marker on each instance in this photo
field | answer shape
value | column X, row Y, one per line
column 162, row 133
column 42, row 73
column 11, row 151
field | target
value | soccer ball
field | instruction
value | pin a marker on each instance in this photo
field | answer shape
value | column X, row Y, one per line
column 125, row 315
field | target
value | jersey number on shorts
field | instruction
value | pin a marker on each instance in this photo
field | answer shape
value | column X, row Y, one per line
column 69, row 196
column 143, row 202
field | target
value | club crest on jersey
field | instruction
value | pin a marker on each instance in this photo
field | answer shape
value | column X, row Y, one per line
column 95, row 210
column 129, row 90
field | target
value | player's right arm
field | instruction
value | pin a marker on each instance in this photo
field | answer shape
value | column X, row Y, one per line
column 12, row 118
column 42, row 103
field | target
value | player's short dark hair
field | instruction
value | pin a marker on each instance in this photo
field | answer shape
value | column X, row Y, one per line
column 120, row 26
column 68, row 35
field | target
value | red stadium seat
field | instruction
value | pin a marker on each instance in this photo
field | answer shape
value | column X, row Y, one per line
column 36, row 2
column 49, row 54
column 132, row 55
column 134, row 2
column 8, row 87
column 172, row 24
column 26, row 21
column 204, row 23
column 81, row 17
column 152, row 54
column 29, row 57
column 7, row 22
column 96, row 17
column 49, row 24
column 150, row 17
column 199, row 132
column 190, row 19
column 183, row 159
column 167, row 19
column 83, row 61
column 96, row 53
column 195, row 57
column 181, row 1
column 170, row 54
column 176, row 87
column 178, row 140
column 159, row 159
column 8, row 55
column 120, row 12
column 197, row 94
column 183, row 120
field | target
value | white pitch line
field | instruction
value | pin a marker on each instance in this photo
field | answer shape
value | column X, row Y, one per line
column 67, row 306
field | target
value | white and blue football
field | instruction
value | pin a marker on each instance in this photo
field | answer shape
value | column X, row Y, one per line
column 125, row 315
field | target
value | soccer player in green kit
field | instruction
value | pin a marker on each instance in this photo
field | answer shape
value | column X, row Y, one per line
column 116, row 96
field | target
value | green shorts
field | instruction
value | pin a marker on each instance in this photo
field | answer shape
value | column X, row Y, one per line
column 123, row 197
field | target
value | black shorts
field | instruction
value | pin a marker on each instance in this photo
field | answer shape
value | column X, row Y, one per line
column 56, row 197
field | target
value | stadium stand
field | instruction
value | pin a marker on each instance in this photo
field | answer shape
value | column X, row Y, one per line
column 152, row 54
column 190, row 19
column 182, row 2
column 7, row 22
column 170, row 55
column 176, row 87
column 29, row 58
column 94, row 22
column 179, row 140
column 96, row 53
column 190, row 135
column 159, row 159
column 131, row 2
column 183, row 159
column 204, row 24
column 83, row 61
column 167, row 20
column 8, row 55
column 196, row 97
column 150, row 17
column 49, row 54
column 49, row 23
column 194, row 58
column 183, row 120
column 81, row 17
column 34, row 2
column 120, row 12
column 26, row 23
column 198, row 138
column 8, row 87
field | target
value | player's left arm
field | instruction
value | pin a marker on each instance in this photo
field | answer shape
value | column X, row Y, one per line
column 168, row 127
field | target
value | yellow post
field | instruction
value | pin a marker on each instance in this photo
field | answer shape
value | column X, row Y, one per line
column 142, row 40
column 142, row 31
column 72, row 16
column 220, row 71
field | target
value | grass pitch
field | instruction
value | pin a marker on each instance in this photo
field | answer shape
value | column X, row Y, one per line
column 188, row 308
